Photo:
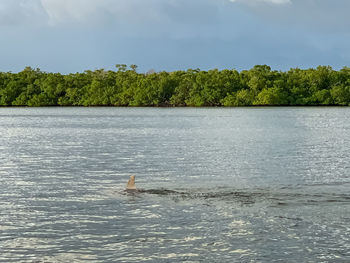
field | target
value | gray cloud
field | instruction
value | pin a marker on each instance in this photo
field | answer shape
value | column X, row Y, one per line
column 180, row 18
column 70, row 35
column 157, row 13
column 319, row 15
column 314, row 14
column 257, row 2
column 137, row 18
column 87, row 12
column 18, row 12
column 92, row 11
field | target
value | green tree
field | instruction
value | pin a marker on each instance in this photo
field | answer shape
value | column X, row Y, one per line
column 271, row 97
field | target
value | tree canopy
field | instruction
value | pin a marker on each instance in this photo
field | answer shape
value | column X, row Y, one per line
column 193, row 87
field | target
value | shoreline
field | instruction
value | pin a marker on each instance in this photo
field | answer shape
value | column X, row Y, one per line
column 183, row 107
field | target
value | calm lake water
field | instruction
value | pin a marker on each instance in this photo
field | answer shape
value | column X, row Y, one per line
column 218, row 185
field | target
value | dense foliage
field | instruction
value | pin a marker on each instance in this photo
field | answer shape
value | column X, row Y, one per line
column 125, row 87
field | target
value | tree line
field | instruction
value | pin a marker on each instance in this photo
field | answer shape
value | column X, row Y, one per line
column 193, row 87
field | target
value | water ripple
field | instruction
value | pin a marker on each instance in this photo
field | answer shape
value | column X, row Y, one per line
column 216, row 185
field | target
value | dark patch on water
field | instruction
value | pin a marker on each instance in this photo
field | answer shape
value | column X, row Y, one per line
column 244, row 197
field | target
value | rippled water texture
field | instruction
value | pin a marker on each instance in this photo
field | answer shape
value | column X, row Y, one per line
column 216, row 185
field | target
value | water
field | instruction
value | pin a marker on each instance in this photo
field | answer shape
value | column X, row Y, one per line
column 217, row 185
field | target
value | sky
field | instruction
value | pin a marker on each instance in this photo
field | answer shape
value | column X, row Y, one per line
column 75, row 35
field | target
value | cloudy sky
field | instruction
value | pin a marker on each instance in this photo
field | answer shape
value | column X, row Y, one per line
column 74, row 35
